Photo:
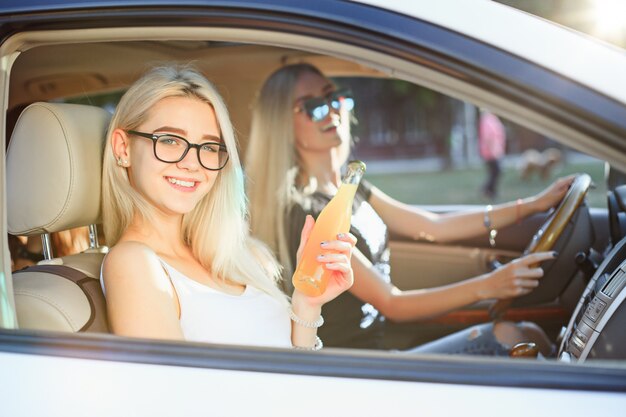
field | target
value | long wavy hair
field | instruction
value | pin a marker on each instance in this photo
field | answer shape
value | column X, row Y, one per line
column 216, row 230
column 272, row 161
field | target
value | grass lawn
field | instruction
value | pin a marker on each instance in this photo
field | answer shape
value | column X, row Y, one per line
column 463, row 186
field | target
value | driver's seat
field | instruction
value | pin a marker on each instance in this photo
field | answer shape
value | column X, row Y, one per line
column 54, row 164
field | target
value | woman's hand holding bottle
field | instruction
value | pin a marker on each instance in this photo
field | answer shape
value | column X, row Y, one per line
column 334, row 256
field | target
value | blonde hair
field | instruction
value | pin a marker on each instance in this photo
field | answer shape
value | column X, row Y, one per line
column 216, row 230
column 272, row 162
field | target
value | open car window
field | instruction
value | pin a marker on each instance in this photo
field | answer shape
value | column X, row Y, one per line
column 423, row 148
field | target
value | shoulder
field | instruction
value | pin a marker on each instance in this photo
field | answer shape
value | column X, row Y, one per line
column 131, row 259
column 130, row 252
column 141, row 300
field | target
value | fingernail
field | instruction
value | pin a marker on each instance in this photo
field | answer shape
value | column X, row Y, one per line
column 341, row 235
column 324, row 244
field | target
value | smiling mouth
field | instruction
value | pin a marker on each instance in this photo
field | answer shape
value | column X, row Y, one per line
column 330, row 126
column 181, row 183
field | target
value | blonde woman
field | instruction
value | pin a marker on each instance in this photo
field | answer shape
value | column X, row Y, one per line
column 182, row 265
column 299, row 141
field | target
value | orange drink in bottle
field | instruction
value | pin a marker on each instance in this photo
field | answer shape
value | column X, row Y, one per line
column 311, row 278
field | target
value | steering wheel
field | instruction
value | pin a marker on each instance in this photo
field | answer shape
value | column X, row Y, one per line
column 548, row 234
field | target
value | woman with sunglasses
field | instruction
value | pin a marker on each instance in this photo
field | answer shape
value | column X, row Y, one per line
column 182, row 265
column 299, row 141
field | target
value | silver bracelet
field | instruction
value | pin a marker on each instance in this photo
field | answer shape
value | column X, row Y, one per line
column 487, row 216
column 318, row 345
column 487, row 222
column 308, row 324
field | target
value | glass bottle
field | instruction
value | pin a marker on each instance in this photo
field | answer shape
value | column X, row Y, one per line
column 311, row 278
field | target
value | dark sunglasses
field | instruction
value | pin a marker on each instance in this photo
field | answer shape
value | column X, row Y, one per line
column 318, row 108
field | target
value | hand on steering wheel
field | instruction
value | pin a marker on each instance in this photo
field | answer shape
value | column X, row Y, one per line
column 554, row 194
column 548, row 234
column 518, row 277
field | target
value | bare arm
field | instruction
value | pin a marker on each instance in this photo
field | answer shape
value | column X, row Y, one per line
column 141, row 301
column 516, row 278
column 336, row 258
column 418, row 224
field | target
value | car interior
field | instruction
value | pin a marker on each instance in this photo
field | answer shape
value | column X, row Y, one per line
column 62, row 141
column 55, row 152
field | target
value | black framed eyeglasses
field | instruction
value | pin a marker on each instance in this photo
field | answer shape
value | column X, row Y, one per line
column 172, row 148
column 318, row 108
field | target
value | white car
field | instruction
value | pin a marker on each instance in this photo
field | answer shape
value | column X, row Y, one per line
column 56, row 356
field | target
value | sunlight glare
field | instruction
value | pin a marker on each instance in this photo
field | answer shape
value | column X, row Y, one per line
column 610, row 17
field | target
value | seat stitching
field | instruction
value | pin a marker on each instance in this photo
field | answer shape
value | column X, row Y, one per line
column 66, row 204
column 51, row 302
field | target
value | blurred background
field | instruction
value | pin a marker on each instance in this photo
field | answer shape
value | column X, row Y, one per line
column 422, row 147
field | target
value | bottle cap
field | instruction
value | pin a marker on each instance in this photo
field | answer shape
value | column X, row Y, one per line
column 357, row 165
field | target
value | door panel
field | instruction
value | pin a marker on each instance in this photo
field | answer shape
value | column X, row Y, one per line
column 108, row 388
column 426, row 265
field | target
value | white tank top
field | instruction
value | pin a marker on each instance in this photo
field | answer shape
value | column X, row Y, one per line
column 253, row 318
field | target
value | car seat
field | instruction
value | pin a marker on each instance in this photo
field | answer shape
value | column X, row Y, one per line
column 54, row 171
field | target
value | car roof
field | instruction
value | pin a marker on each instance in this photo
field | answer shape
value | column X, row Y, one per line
column 579, row 57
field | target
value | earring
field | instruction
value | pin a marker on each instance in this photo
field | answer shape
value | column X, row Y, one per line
column 121, row 162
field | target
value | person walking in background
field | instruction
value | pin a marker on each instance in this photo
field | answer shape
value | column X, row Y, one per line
column 492, row 145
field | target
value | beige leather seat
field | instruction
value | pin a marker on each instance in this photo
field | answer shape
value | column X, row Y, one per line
column 54, row 164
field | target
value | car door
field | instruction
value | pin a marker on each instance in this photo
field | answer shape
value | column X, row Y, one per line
column 77, row 374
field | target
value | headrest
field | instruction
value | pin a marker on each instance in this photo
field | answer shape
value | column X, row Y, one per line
column 54, row 167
